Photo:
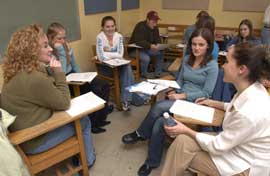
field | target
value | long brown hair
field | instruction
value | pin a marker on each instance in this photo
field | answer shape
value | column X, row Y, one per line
column 22, row 53
column 52, row 32
column 206, row 34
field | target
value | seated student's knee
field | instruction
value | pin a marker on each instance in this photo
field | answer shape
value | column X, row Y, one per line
column 186, row 142
column 159, row 127
column 163, row 105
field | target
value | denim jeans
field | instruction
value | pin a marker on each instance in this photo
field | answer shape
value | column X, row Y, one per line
column 265, row 36
column 152, row 128
column 145, row 60
column 63, row 133
column 126, row 79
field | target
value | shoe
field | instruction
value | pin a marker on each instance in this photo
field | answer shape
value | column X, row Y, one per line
column 110, row 109
column 97, row 130
column 104, row 123
column 125, row 106
column 144, row 170
column 132, row 138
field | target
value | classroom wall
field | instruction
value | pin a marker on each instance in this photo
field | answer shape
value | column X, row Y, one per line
column 90, row 27
column 223, row 19
column 1, row 77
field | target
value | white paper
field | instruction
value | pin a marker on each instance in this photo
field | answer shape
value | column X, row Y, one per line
column 84, row 103
column 81, row 77
column 133, row 45
column 222, row 53
column 180, row 45
column 168, row 83
column 162, row 46
column 147, row 88
column 193, row 111
column 116, row 62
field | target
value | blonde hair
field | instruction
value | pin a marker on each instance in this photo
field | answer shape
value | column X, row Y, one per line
column 22, row 53
column 266, row 19
column 52, row 32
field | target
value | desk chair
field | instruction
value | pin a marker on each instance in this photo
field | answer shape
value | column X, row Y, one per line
column 113, row 80
column 76, row 87
column 73, row 146
column 134, row 62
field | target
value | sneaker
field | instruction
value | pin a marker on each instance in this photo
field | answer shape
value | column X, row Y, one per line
column 145, row 170
column 125, row 106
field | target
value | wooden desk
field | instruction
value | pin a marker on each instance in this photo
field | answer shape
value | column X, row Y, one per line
column 76, row 87
column 72, row 146
column 217, row 120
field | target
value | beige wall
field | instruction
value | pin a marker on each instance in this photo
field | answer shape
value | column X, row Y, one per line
column 90, row 27
column 1, row 77
column 225, row 19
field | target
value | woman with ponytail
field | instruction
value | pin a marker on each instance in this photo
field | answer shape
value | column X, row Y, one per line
column 242, row 148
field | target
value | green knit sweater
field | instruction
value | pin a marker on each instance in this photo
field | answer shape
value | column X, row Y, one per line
column 33, row 97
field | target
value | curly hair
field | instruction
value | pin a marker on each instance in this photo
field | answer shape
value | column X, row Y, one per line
column 23, row 51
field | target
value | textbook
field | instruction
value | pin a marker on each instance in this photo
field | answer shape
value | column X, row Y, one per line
column 192, row 110
column 83, row 103
column 81, row 77
column 147, row 88
column 115, row 62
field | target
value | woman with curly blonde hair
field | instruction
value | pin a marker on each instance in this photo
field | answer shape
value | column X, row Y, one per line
column 32, row 93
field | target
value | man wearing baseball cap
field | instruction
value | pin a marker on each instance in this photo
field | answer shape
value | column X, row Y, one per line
column 146, row 35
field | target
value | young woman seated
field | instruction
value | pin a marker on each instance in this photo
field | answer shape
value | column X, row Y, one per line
column 197, row 78
column 110, row 45
column 32, row 93
column 242, row 148
column 245, row 34
column 57, row 38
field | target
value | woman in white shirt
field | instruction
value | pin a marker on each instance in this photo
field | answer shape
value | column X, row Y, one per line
column 109, row 45
column 243, row 147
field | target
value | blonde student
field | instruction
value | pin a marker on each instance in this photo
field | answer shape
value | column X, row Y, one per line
column 32, row 94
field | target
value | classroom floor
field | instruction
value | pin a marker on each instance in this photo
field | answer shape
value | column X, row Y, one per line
column 113, row 157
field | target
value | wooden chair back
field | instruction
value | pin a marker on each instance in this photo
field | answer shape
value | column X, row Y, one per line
column 39, row 162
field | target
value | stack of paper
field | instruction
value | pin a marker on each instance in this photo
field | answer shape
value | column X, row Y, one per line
column 84, row 103
column 180, row 45
column 168, row 83
column 116, row 62
column 147, row 88
column 133, row 45
column 194, row 111
column 81, row 77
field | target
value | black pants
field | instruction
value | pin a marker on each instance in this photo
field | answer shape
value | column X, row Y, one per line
column 102, row 89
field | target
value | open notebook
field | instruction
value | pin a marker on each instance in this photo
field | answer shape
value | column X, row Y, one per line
column 192, row 110
column 115, row 62
column 84, row 103
column 81, row 77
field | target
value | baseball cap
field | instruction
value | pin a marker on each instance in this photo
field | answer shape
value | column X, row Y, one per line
column 153, row 15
